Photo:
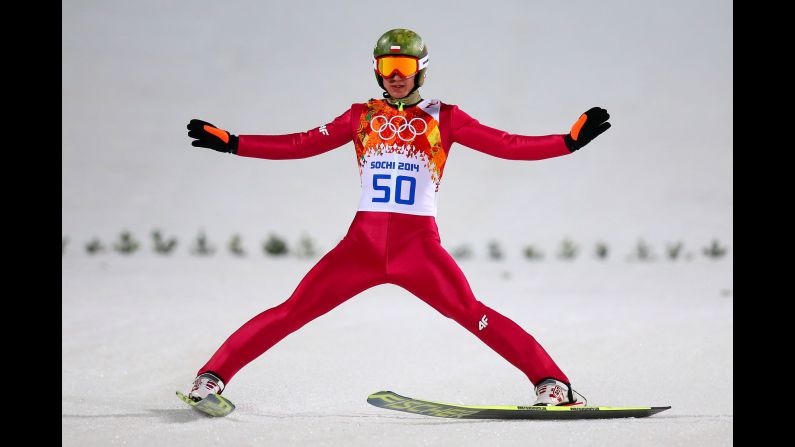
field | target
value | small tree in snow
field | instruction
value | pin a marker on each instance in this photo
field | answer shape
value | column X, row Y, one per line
column 202, row 246
column 127, row 244
column 532, row 253
column 275, row 246
column 306, row 247
column 674, row 250
column 568, row 250
column 236, row 246
column 602, row 250
column 94, row 246
column 495, row 252
column 714, row 250
column 163, row 246
column 461, row 252
column 643, row 251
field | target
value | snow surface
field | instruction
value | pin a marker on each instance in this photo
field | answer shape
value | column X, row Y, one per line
column 136, row 329
column 132, row 79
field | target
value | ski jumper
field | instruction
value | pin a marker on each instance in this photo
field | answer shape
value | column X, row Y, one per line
column 393, row 237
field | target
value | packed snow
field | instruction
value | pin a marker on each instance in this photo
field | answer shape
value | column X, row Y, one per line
column 627, row 332
column 136, row 329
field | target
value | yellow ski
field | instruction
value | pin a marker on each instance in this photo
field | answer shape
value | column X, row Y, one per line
column 213, row 404
column 393, row 401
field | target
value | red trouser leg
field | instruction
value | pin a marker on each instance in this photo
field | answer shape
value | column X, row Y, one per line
column 402, row 249
column 419, row 264
column 345, row 271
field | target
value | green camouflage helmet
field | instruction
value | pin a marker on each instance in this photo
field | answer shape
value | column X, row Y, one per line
column 402, row 42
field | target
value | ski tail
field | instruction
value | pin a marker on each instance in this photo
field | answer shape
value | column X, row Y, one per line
column 213, row 405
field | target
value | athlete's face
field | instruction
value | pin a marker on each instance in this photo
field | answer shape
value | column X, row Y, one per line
column 398, row 86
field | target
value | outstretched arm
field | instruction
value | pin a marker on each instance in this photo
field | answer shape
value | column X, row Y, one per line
column 469, row 132
column 276, row 147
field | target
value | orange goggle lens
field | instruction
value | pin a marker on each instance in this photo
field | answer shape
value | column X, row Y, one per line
column 405, row 65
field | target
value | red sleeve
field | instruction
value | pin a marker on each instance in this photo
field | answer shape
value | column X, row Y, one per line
column 304, row 144
column 468, row 131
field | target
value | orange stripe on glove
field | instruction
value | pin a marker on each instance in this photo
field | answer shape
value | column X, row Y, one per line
column 220, row 133
column 575, row 129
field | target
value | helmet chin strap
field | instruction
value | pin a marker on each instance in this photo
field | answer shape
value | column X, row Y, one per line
column 408, row 100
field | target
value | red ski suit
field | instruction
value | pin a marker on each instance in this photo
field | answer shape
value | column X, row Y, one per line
column 393, row 237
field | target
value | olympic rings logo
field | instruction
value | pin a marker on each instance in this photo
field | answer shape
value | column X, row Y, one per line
column 394, row 126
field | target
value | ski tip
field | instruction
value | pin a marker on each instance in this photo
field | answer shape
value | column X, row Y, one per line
column 379, row 395
column 213, row 405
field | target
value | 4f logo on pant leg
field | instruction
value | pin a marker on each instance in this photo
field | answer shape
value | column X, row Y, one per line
column 483, row 323
column 323, row 130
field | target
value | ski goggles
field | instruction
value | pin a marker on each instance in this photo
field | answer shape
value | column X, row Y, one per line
column 406, row 66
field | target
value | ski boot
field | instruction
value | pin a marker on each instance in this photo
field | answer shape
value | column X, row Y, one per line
column 205, row 396
column 551, row 392
column 204, row 385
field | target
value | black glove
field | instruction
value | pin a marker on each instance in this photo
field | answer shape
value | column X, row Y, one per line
column 589, row 126
column 209, row 136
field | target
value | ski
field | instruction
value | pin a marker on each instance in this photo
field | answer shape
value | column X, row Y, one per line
column 213, row 404
column 394, row 401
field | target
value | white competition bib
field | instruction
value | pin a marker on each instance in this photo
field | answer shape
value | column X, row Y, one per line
column 400, row 157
